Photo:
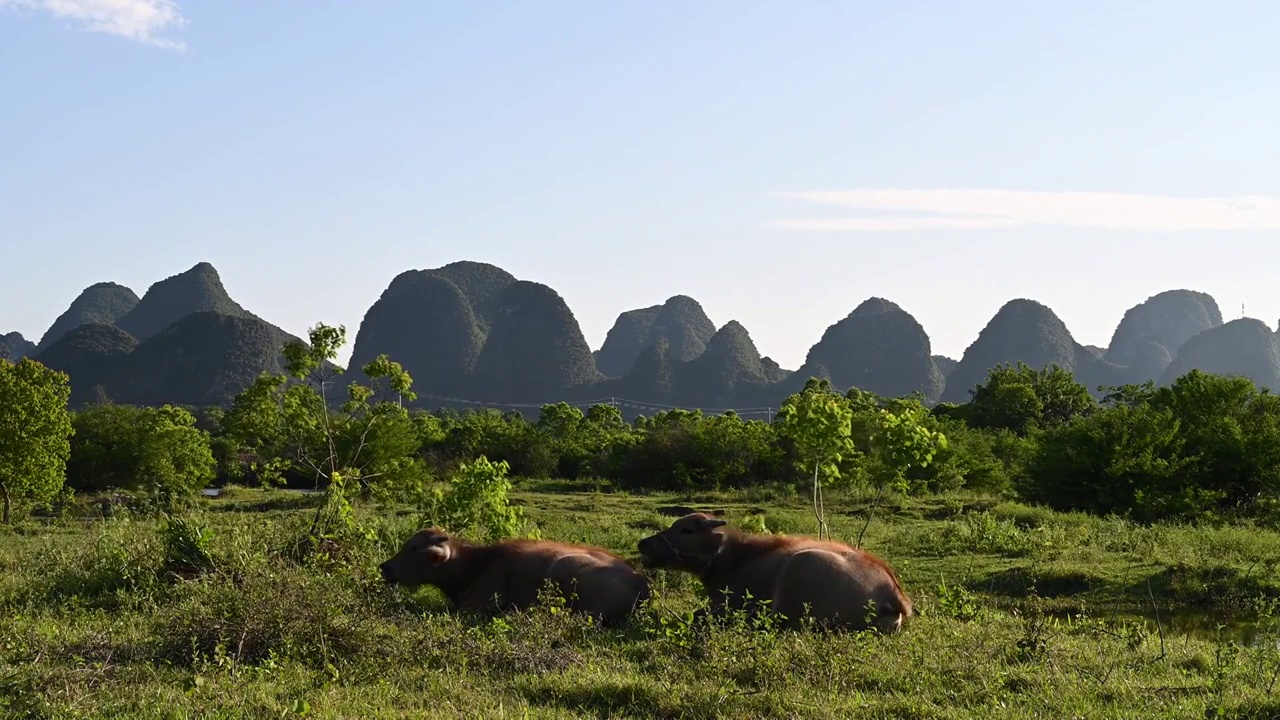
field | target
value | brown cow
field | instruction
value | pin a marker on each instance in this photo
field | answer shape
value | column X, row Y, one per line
column 831, row 581
column 509, row 575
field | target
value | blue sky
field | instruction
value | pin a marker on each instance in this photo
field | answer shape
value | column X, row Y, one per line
column 778, row 161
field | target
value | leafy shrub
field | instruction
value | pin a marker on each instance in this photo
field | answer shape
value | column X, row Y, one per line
column 263, row 613
column 475, row 502
column 678, row 449
column 187, row 546
column 158, row 451
column 1205, row 444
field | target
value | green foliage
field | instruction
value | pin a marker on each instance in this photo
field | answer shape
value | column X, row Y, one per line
column 336, row 535
column 372, row 438
column 686, row 449
column 35, row 432
column 818, row 424
column 367, row 444
column 1123, row 460
column 1204, row 444
column 1232, row 429
column 475, row 502
column 1021, row 398
column 173, row 456
column 985, row 460
column 903, row 441
column 157, row 451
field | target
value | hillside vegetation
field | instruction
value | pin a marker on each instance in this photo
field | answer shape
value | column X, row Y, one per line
column 102, row 303
column 14, row 346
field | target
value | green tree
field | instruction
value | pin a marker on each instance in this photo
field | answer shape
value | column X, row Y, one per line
column 901, row 440
column 1232, row 429
column 174, row 456
column 607, row 417
column 370, row 437
column 35, row 432
column 818, row 423
column 292, row 418
column 1021, row 398
column 560, row 419
column 155, row 450
column 104, row 447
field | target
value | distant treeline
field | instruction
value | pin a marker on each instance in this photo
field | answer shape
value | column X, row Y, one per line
column 1204, row 445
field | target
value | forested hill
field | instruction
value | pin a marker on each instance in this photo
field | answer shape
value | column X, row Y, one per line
column 472, row 333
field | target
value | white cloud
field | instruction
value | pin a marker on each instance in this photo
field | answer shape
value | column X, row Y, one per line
column 140, row 20
column 982, row 209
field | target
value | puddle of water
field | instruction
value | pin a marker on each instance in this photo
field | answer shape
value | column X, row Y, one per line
column 216, row 492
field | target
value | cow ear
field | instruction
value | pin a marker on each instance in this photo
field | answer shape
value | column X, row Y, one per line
column 709, row 523
column 437, row 552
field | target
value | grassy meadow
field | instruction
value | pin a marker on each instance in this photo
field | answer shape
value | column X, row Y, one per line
column 1023, row 613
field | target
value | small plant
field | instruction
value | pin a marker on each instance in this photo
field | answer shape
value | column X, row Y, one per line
column 476, row 501
column 754, row 523
column 675, row 629
column 186, row 544
column 335, row 529
column 956, row 601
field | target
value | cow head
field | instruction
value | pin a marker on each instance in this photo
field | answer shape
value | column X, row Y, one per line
column 689, row 544
column 421, row 559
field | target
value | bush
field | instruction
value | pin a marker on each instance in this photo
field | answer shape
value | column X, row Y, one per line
column 261, row 614
column 1021, row 398
column 1205, row 444
column 155, row 450
column 682, row 449
column 475, row 502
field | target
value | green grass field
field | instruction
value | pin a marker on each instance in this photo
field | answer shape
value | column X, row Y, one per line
column 1023, row 613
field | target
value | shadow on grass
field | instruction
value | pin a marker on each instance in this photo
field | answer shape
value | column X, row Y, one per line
column 1222, row 591
column 547, row 485
column 1218, row 587
column 1257, row 710
column 1018, row 582
column 278, row 503
column 607, row 698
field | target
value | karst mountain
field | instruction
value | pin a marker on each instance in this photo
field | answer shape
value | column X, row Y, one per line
column 472, row 334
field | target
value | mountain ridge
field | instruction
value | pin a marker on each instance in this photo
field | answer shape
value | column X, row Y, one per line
column 474, row 331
